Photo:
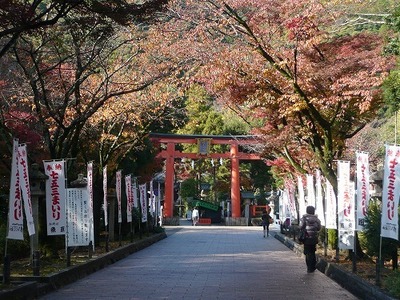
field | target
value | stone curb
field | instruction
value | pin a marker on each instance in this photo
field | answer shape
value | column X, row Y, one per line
column 33, row 286
column 351, row 282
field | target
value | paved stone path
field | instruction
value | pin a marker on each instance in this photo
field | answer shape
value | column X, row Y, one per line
column 207, row 262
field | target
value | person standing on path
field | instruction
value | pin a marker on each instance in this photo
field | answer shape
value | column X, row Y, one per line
column 312, row 225
column 265, row 221
column 195, row 216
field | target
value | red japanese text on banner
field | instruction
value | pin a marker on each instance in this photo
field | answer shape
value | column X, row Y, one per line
column 346, row 211
column 25, row 187
column 129, row 200
column 331, row 209
column 391, row 193
column 143, row 201
column 55, row 197
column 362, row 188
column 15, row 215
column 118, row 191
column 105, row 203
column 302, row 201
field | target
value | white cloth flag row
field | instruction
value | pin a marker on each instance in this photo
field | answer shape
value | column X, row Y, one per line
column 61, row 202
column 351, row 197
column 141, row 202
column 314, row 195
column 326, row 206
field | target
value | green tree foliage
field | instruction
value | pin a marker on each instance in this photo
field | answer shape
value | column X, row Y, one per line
column 233, row 124
column 285, row 64
column 391, row 85
column 391, row 90
column 202, row 118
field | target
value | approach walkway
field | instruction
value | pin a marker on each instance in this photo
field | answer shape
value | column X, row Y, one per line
column 207, row 262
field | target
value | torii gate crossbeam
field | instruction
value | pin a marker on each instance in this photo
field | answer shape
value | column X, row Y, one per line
column 234, row 155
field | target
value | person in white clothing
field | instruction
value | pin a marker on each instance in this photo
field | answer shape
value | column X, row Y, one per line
column 195, row 216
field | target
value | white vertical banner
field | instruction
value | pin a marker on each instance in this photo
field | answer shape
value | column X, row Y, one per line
column 78, row 207
column 118, row 189
column 290, row 190
column 319, row 200
column 159, row 202
column 152, row 203
column 362, row 188
column 285, row 207
column 129, row 200
column 90, row 199
column 55, row 197
column 135, row 194
column 302, row 202
column 25, row 187
column 346, row 211
column 15, row 215
column 391, row 193
column 143, row 201
column 331, row 208
column 105, row 202
column 310, row 190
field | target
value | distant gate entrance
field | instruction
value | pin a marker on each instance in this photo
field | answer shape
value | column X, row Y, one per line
column 203, row 142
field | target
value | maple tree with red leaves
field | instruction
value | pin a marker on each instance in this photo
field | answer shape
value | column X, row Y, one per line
column 68, row 80
column 285, row 64
column 62, row 76
column 21, row 17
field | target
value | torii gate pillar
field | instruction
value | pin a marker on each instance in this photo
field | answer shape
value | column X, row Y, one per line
column 235, row 181
column 169, row 180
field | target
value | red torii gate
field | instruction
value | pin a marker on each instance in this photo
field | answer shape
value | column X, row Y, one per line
column 170, row 154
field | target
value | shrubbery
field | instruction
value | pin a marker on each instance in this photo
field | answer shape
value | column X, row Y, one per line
column 392, row 283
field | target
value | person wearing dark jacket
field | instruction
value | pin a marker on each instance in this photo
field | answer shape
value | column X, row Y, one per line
column 312, row 225
column 265, row 221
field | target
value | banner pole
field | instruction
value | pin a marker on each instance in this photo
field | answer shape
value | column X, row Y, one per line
column 378, row 264
column 67, row 252
column 6, row 262
column 395, row 129
column 355, row 225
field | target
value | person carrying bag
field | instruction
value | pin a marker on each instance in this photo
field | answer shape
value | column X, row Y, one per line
column 310, row 225
column 266, row 220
